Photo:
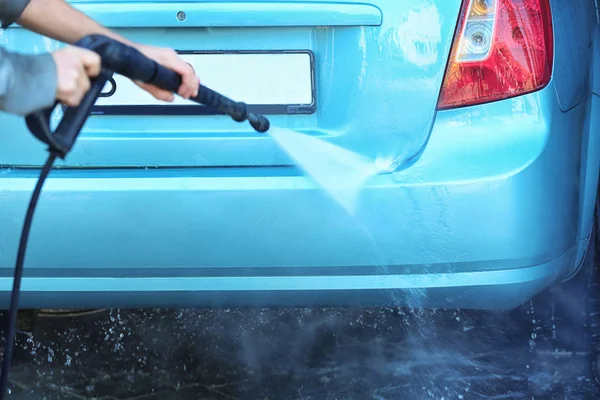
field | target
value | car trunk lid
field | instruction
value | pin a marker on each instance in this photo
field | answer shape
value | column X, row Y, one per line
column 365, row 76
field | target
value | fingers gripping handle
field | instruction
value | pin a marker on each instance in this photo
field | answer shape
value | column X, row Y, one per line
column 64, row 136
column 129, row 62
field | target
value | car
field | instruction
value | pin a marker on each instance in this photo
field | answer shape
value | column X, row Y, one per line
column 480, row 115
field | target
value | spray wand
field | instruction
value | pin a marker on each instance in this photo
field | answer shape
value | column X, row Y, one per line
column 116, row 58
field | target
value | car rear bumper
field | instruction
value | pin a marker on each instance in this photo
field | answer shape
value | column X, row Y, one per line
column 486, row 218
column 477, row 289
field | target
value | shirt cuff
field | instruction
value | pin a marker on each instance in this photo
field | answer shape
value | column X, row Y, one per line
column 10, row 11
column 27, row 82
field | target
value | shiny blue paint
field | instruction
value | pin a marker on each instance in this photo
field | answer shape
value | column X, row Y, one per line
column 590, row 156
column 421, row 290
column 233, row 14
column 386, row 112
column 474, row 203
column 496, row 207
column 572, row 51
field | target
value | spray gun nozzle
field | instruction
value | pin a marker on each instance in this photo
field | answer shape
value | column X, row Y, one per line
column 259, row 122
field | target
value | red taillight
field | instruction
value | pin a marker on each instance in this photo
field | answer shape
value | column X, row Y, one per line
column 503, row 48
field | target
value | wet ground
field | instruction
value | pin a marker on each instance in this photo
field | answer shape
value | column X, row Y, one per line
column 536, row 351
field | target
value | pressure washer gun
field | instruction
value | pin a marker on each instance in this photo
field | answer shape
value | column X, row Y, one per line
column 129, row 62
column 116, row 58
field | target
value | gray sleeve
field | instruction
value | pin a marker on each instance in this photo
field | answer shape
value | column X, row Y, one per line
column 27, row 82
column 10, row 10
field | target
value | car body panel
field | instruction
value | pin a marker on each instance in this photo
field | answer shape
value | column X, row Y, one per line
column 572, row 53
column 496, row 207
column 233, row 14
column 476, row 289
column 474, row 202
column 376, row 86
column 590, row 156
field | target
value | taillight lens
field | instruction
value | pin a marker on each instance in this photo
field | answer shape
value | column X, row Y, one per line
column 502, row 48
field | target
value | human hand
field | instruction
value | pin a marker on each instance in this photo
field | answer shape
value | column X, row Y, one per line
column 74, row 68
column 170, row 59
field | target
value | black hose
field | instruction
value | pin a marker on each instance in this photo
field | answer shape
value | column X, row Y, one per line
column 18, row 274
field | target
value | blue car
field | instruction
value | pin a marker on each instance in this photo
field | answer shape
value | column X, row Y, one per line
column 480, row 116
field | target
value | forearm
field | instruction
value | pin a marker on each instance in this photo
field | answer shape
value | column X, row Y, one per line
column 27, row 82
column 59, row 20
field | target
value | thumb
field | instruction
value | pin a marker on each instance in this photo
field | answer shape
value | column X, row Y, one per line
column 91, row 61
